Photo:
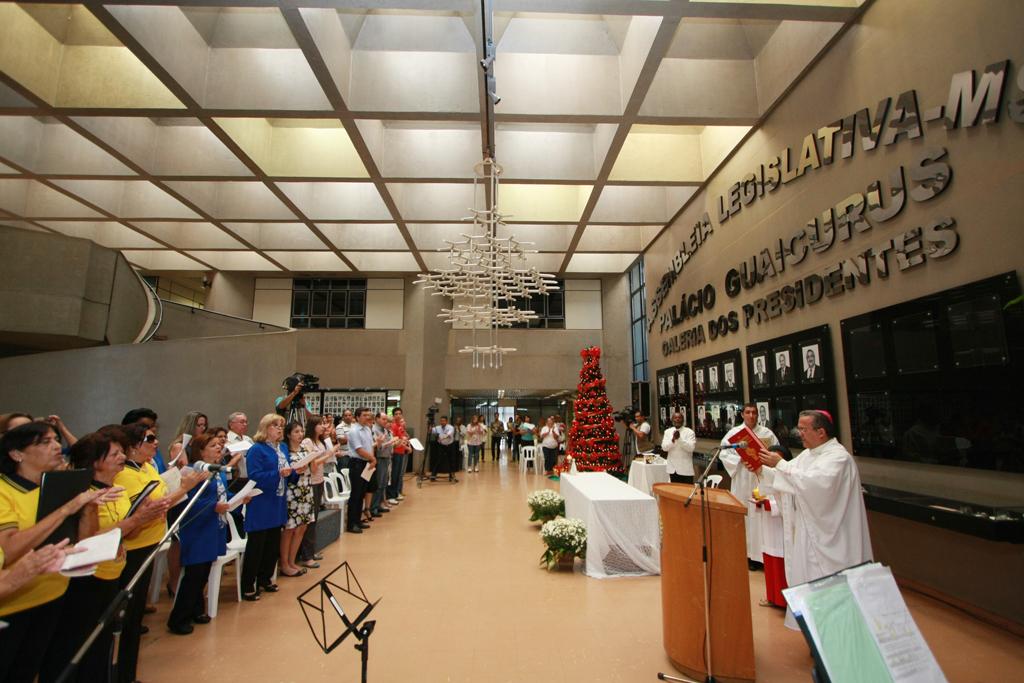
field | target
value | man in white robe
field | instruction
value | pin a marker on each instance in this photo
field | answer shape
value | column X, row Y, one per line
column 679, row 443
column 823, row 515
column 744, row 481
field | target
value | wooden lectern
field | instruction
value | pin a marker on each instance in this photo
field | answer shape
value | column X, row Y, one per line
column 682, row 583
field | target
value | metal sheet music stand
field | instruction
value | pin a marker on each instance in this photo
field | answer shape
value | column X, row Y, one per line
column 328, row 595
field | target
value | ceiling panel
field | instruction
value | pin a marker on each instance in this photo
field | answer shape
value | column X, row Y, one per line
column 305, row 128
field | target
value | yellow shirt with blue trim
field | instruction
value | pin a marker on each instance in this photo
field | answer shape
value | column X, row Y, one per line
column 109, row 515
column 19, row 502
column 134, row 478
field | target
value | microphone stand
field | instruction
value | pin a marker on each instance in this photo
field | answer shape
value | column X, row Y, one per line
column 115, row 611
column 705, row 558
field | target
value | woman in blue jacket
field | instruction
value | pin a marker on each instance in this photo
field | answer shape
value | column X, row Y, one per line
column 203, row 540
column 268, row 466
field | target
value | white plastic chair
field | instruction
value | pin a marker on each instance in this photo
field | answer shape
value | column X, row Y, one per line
column 714, row 480
column 528, row 454
column 216, row 572
column 156, row 581
column 237, row 542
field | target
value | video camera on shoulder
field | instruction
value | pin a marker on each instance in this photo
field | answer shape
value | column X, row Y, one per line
column 625, row 416
column 309, row 382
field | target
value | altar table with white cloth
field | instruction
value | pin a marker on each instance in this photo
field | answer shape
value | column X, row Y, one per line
column 643, row 476
column 623, row 535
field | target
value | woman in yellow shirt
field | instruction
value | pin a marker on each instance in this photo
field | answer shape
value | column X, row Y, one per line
column 137, row 473
column 33, row 611
column 88, row 596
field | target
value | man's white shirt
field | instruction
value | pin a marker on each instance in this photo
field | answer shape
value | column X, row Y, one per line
column 679, row 453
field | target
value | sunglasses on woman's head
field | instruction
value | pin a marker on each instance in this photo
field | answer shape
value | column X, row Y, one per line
column 150, row 438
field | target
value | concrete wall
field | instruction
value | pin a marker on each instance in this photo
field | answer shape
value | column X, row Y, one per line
column 64, row 292
column 899, row 45
column 186, row 322
column 92, row 387
column 231, row 293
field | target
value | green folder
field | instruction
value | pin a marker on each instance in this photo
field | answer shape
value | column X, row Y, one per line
column 846, row 644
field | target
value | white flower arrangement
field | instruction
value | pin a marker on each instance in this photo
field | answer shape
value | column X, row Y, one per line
column 563, row 536
column 545, row 504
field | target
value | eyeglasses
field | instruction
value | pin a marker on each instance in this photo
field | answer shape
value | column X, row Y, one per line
column 150, row 438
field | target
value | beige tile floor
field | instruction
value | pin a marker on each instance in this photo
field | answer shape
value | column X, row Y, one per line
column 465, row 600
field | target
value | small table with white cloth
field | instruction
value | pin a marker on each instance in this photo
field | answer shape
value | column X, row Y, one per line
column 623, row 535
column 643, row 476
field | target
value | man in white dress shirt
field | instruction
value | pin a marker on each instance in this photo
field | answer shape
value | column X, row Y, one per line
column 823, row 515
column 744, row 481
column 678, row 444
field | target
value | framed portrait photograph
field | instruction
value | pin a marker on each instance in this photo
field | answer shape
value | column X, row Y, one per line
column 730, row 415
column 783, row 366
column 663, row 411
column 713, row 384
column 759, row 371
column 686, row 418
column 681, row 380
column 698, row 381
column 702, row 414
column 729, row 376
column 661, row 385
column 763, row 414
column 715, row 410
column 810, row 361
column 671, row 381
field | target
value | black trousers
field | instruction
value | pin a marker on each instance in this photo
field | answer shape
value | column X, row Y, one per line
column 188, row 601
column 86, row 600
column 495, row 447
column 550, row 458
column 680, row 478
column 262, row 549
column 24, row 642
column 308, row 546
column 128, row 653
column 355, row 499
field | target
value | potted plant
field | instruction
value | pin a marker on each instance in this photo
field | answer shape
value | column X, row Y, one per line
column 545, row 505
column 566, row 539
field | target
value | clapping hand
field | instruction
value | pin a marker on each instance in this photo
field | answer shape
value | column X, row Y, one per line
column 220, row 508
column 190, row 478
column 45, row 560
column 285, row 471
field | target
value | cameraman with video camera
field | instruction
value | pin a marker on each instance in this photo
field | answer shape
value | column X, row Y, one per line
column 292, row 406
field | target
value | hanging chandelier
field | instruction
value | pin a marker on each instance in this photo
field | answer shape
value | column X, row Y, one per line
column 488, row 275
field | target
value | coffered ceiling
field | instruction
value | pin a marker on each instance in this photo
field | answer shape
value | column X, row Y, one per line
column 318, row 136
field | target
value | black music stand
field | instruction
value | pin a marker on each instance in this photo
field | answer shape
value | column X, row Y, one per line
column 339, row 593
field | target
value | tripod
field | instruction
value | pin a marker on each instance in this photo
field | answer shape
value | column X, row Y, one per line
column 706, row 572
column 115, row 612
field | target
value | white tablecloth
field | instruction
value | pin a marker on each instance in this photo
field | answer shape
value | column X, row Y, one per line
column 623, row 536
column 643, row 476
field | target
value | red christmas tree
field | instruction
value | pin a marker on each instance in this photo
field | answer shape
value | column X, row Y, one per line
column 593, row 443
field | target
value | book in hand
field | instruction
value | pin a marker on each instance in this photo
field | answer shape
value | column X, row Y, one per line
column 750, row 454
column 56, row 489
column 139, row 499
column 93, row 550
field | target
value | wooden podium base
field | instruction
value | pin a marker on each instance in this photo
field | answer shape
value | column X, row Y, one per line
column 682, row 584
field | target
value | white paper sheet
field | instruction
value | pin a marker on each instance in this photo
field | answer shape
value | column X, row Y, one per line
column 238, row 447
column 100, row 548
column 416, row 444
column 304, row 462
column 172, row 477
column 903, row 648
column 328, row 444
column 368, row 473
column 237, row 499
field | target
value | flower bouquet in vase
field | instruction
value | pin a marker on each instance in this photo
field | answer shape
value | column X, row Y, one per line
column 566, row 539
column 545, row 505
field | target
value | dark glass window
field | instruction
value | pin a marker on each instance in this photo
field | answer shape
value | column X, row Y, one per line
column 323, row 303
column 638, row 319
column 549, row 308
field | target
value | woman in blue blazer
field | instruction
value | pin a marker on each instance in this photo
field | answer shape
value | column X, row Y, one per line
column 202, row 537
column 268, row 466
